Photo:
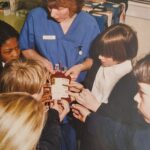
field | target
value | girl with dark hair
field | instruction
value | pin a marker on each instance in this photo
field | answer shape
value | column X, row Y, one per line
column 110, row 105
column 9, row 46
column 141, row 138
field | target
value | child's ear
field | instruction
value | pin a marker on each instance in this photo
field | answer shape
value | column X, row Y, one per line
column 38, row 95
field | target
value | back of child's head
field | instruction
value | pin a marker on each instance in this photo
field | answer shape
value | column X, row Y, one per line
column 142, row 70
column 7, row 32
column 23, row 76
column 21, row 121
column 118, row 41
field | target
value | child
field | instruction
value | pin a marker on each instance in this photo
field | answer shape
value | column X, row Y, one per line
column 142, row 73
column 112, row 86
column 21, row 119
column 30, row 76
column 141, row 138
column 26, row 76
column 9, row 46
column 132, row 136
column 111, row 76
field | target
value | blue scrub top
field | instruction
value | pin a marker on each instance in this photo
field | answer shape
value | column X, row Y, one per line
column 47, row 38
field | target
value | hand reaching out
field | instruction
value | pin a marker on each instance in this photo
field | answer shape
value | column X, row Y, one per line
column 62, row 106
column 48, row 64
column 87, row 99
column 55, row 105
column 75, row 87
column 65, row 108
column 74, row 71
column 80, row 112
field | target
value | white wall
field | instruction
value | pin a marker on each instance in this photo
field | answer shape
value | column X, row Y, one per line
column 138, row 16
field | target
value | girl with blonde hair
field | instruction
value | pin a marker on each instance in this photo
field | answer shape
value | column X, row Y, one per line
column 21, row 121
column 30, row 76
column 26, row 76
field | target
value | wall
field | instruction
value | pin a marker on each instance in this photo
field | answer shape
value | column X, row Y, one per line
column 138, row 16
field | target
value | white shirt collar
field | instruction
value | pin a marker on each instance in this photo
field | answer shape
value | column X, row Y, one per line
column 107, row 77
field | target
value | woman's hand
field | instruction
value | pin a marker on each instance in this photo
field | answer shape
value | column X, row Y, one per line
column 48, row 64
column 74, row 71
column 32, row 54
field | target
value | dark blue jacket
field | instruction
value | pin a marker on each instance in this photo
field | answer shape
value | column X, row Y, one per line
column 111, row 127
column 51, row 134
column 141, row 136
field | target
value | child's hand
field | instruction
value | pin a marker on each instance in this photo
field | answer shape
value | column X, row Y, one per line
column 65, row 108
column 88, row 100
column 80, row 112
column 75, row 87
column 55, row 105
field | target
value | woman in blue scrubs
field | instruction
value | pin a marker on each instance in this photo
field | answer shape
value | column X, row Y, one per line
column 61, row 33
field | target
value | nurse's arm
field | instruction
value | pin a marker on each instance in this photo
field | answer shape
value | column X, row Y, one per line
column 86, row 65
column 75, row 70
column 32, row 54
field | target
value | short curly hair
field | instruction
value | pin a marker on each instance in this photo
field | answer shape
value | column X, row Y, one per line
column 7, row 32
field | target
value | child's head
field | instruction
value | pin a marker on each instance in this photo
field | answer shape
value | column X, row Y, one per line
column 9, row 46
column 24, row 76
column 118, row 42
column 142, row 73
column 21, row 121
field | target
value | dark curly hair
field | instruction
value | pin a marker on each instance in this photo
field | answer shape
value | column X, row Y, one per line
column 7, row 32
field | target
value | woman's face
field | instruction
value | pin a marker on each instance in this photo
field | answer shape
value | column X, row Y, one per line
column 107, row 61
column 143, row 100
column 60, row 14
column 10, row 50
